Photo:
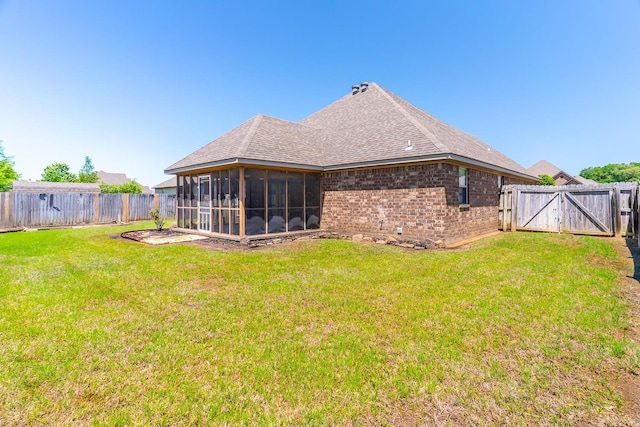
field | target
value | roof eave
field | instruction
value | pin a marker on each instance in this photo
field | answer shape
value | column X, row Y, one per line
column 432, row 158
column 328, row 168
column 243, row 161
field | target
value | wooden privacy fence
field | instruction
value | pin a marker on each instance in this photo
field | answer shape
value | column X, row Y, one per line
column 64, row 209
column 601, row 210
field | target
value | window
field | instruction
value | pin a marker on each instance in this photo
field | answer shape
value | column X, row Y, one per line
column 463, row 184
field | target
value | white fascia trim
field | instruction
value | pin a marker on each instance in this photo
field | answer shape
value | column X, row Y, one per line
column 238, row 161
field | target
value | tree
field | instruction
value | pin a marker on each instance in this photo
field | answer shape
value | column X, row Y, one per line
column 131, row 187
column 87, row 172
column 613, row 172
column 58, row 172
column 546, row 180
column 7, row 173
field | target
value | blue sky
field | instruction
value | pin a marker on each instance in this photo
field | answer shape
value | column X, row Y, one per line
column 137, row 85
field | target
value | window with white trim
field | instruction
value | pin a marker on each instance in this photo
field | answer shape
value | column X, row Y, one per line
column 463, row 184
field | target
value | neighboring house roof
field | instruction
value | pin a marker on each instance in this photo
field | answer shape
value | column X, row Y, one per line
column 544, row 167
column 584, row 181
column 54, row 187
column 119, row 179
column 113, row 178
column 373, row 127
column 170, row 183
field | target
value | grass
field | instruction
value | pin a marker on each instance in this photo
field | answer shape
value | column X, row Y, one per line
column 519, row 329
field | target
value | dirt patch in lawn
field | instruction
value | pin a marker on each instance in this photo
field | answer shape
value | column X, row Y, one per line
column 155, row 237
column 629, row 383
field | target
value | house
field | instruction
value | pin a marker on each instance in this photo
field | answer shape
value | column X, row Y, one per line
column 119, row 179
column 42, row 187
column 561, row 177
column 166, row 187
column 370, row 163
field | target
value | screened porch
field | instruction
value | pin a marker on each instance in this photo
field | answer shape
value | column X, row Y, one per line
column 248, row 201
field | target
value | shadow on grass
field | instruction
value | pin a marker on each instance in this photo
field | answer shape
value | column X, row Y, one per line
column 632, row 244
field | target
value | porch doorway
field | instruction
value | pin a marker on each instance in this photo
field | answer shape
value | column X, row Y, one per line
column 204, row 203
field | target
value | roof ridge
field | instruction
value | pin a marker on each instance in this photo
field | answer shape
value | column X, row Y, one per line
column 249, row 136
column 430, row 136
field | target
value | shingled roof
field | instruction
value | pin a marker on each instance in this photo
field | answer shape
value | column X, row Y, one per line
column 544, row 167
column 54, row 187
column 373, row 127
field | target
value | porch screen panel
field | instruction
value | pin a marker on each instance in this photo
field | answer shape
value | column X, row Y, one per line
column 194, row 219
column 179, row 191
column 180, row 217
column 254, row 201
column 193, row 194
column 216, row 199
column 276, row 201
column 312, row 201
column 295, row 201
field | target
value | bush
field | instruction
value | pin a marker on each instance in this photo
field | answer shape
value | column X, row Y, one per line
column 128, row 187
column 157, row 218
column 546, row 180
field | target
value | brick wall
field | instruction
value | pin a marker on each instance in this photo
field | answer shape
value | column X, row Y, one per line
column 422, row 199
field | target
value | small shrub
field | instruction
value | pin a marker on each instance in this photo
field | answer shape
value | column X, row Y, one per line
column 157, row 218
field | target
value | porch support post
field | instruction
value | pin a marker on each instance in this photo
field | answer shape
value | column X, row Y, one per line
column 241, row 202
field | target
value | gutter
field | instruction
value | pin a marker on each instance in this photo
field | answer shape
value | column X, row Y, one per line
column 355, row 165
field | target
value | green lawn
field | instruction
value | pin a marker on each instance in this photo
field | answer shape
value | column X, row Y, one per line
column 522, row 328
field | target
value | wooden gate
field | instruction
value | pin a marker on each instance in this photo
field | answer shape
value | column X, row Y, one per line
column 601, row 210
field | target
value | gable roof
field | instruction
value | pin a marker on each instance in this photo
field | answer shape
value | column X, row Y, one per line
column 262, row 139
column 544, row 167
column 115, row 178
column 585, row 181
column 373, row 127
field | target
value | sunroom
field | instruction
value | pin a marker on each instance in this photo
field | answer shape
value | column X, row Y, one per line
column 248, row 201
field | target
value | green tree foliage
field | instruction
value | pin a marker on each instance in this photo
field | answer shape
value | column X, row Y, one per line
column 613, row 172
column 128, row 187
column 546, row 180
column 7, row 173
column 87, row 172
column 58, row 172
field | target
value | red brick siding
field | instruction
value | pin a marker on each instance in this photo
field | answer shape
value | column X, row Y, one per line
column 422, row 199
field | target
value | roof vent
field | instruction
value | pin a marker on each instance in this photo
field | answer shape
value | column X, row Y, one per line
column 355, row 89
column 364, row 86
column 409, row 146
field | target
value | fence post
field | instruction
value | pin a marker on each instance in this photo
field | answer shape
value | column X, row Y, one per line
column 96, row 209
column 6, row 200
column 125, row 207
column 156, row 202
column 514, row 209
column 617, row 208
